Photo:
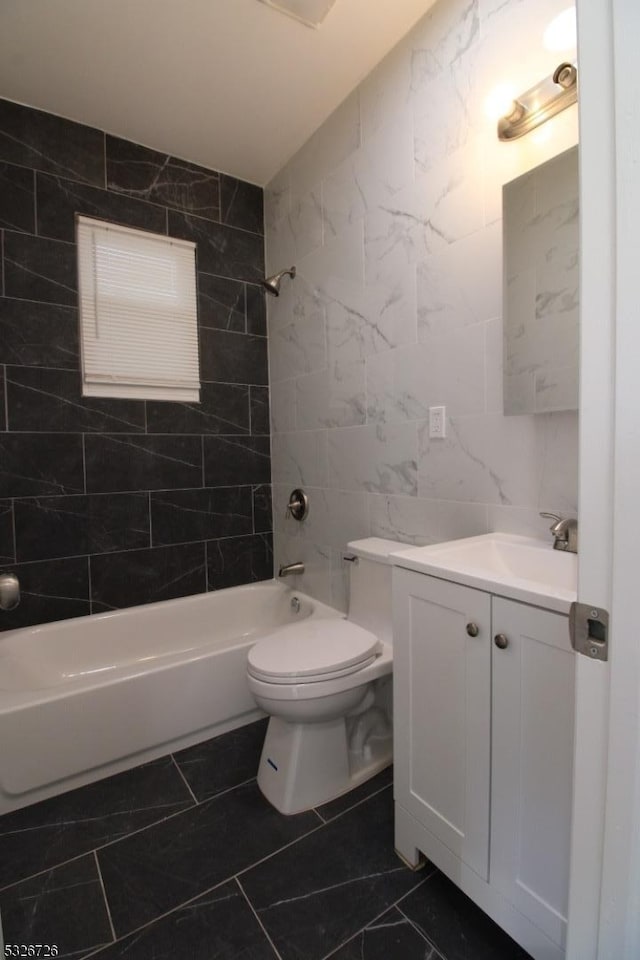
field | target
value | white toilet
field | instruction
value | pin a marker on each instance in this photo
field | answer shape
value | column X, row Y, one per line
column 326, row 684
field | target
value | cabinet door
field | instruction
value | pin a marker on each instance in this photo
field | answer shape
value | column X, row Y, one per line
column 442, row 711
column 532, row 758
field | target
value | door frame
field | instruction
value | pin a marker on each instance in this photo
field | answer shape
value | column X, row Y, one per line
column 604, row 896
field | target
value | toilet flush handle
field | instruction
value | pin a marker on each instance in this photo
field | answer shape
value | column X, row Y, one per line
column 349, row 558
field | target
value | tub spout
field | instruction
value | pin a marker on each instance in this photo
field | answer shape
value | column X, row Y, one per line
column 288, row 569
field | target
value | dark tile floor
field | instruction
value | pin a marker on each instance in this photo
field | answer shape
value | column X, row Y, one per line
column 183, row 859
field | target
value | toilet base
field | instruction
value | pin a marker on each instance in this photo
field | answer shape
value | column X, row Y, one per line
column 304, row 765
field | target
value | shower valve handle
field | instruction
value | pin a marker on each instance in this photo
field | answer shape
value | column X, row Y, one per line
column 9, row 591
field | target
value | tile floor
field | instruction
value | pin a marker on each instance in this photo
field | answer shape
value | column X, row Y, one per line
column 182, row 859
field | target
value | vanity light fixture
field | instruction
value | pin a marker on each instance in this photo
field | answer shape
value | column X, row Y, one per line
column 540, row 103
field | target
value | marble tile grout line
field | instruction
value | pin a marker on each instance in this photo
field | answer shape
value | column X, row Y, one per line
column 151, row 544
column 41, row 366
column 219, row 223
column 253, row 509
column 155, row 823
column 391, row 906
column 237, row 878
column 138, row 431
column 246, row 315
column 104, row 894
column 35, row 202
column 254, row 912
column 291, row 843
column 415, row 925
column 315, row 810
column 145, row 926
column 155, row 546
column 183, row 778
column 13, row 530
column 353, row 806
column 228, row 879
column 116, row 493
column 6, row 397
column 84, row 462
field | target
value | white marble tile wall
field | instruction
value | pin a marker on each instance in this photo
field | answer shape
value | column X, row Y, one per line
column 392, row 214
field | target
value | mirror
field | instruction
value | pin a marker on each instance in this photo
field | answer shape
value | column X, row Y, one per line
column 540, row 264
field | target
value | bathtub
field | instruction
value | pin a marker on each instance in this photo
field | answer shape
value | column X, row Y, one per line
column 83, row 699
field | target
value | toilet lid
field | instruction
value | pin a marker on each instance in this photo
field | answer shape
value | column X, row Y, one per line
column 313, row 649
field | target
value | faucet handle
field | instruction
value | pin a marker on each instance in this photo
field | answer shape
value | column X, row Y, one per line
column 556, row 521
column 552, row 516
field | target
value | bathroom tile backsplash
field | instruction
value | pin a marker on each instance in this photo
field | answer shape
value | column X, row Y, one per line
column 110, row 503
column 392, row 214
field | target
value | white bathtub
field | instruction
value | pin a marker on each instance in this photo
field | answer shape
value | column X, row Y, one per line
column 82, row 699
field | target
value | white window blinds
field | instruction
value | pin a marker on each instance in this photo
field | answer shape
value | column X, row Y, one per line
column 138, row 313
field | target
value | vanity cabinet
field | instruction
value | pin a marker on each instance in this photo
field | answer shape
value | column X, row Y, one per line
column 483, row 704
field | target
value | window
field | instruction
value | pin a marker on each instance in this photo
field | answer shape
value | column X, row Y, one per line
column 138, row 314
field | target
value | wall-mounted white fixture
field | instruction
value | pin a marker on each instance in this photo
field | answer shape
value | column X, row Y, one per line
column 309, row 12
column 540, row 103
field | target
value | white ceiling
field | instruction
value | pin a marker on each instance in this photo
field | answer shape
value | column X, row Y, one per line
column 231, row 84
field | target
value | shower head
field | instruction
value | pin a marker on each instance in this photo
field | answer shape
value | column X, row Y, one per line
column 272, row 284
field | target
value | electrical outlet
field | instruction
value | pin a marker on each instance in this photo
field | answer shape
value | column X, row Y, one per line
column 437, row 423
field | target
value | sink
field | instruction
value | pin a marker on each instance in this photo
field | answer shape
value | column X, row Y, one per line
column 517, row 567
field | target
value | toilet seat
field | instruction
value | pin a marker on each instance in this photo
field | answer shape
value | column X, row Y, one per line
column 312, row 651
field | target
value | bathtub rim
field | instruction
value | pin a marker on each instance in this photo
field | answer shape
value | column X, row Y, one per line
column 17, row 699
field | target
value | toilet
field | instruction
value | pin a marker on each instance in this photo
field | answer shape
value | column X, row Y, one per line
column 326, row 685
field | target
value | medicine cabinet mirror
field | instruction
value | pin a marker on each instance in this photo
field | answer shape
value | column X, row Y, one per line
column 540, row 266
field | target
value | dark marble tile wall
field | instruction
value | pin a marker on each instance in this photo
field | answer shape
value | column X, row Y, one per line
column 111, row 503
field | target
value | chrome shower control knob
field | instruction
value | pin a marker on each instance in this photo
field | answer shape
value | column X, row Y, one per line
column 298, row 505
column 501, row 641
column 9, row 591
column 473, row 629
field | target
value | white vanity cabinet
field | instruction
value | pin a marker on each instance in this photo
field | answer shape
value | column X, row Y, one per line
column 442, row 712
column 483, row 718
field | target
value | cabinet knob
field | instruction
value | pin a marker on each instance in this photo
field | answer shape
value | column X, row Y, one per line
column 473, row 629
column 501, row 641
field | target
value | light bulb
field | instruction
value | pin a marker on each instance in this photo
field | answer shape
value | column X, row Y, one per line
column 500, row 102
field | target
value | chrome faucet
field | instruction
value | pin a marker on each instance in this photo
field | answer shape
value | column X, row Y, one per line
column 289, row 569
column 565, row 532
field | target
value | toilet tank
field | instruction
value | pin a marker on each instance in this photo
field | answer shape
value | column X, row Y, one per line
column 370, row 584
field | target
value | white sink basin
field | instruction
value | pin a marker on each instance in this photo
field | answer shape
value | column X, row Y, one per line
column 517, row 567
